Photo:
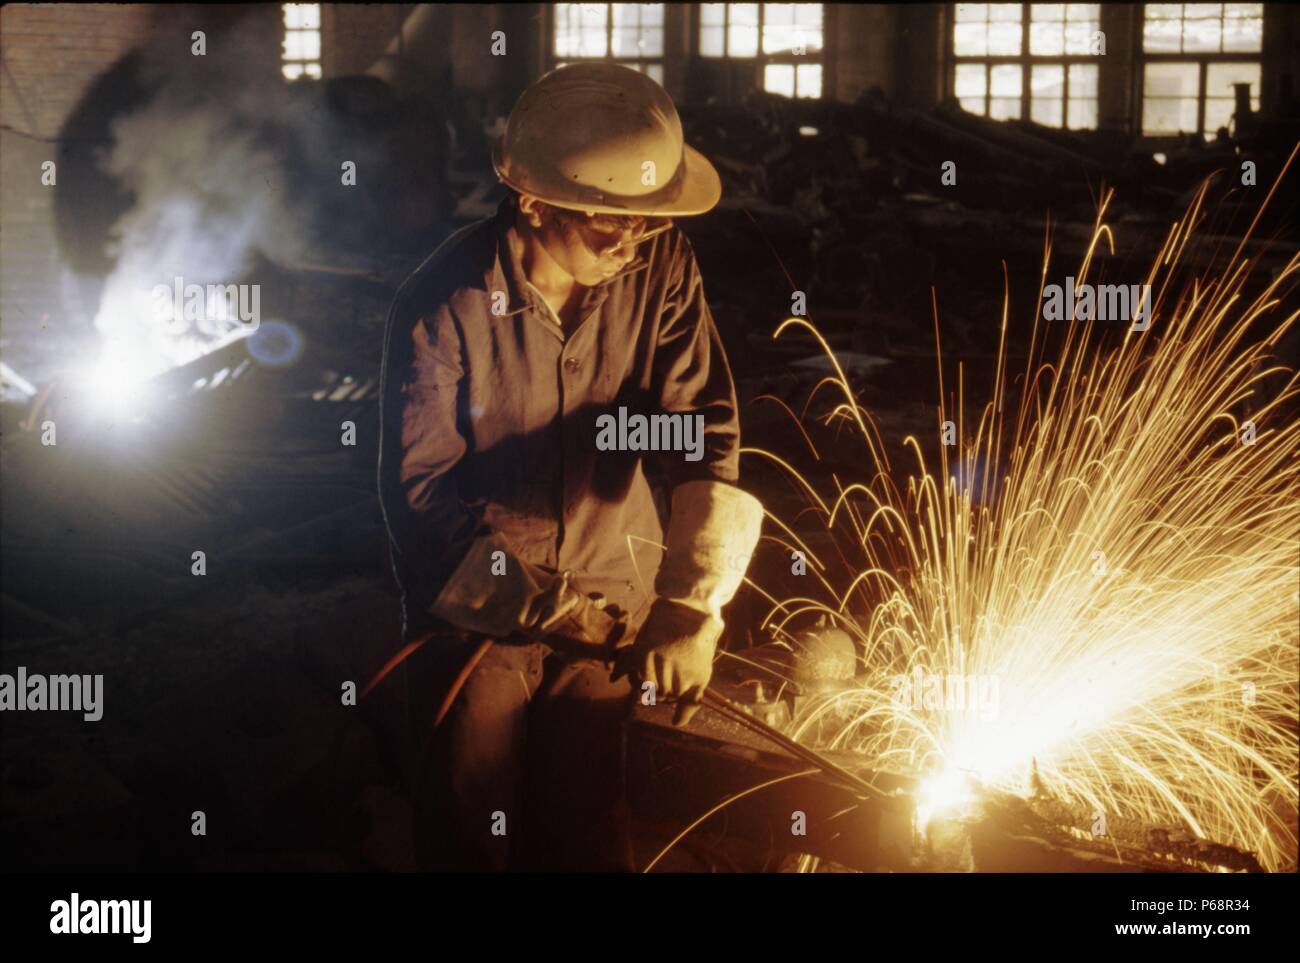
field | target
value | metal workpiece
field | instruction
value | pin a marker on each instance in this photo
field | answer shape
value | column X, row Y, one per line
column 673, row 776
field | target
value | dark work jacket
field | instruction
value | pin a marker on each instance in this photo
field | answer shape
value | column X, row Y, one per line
column 488, row 419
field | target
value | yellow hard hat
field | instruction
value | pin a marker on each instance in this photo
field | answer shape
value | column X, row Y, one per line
column 602, row 137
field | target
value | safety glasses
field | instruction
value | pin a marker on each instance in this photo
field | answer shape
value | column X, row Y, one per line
column 649, row 230
column 607, row 233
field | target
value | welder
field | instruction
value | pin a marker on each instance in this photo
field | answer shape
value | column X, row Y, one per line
column 508, row 523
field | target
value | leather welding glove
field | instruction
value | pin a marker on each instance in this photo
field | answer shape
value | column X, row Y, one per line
column 495, row 593
column 712, row 533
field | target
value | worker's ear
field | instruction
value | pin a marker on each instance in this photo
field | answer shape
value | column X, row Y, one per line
column 532, row 209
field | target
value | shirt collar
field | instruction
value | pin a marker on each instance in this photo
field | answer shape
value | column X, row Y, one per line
column 507, row 274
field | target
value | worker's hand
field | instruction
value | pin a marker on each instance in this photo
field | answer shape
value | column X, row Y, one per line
column 563, row 611
column 674, row 651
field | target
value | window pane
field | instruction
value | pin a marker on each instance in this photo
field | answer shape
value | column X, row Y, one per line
column 1005, row 80
column 969, row 81
column 1168, row 116
column 302, row 16
column 1078, row 37
column 778, row 38
column 1004, row 38
column 638, row 29
column 808, row 79
column 1220, row 98
column 292, row 71
column 742, row 40
column 1004, row 108
column 1046, row 38
column 809, row 15
column 1047, row 80
column 713, row 14
column 972, row 12
column 970, row 39
column 1004, row 83
column 711, row 42
column 580, row 29
column 1202, row 36
column 1046, row 94
column 787, row 25
column 1083, row 80
column 1171, row 80
column 778, row 14
column 1243, row 36
column 1063, row 28
column 1219, row 79
column 1169, row 98
column 779, row 79
column 1082, row 114
column 1162, row 36
column 1218, row 113
column 1045, row 111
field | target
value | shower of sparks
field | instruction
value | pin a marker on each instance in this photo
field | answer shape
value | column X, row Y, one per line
column 1106, row 574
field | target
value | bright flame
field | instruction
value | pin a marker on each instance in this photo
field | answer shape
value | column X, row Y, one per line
column 1120, row 555
column 117, row 384
column 948, row 791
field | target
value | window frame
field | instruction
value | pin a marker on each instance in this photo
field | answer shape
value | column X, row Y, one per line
column 1026, row 61
column 759, row 59
column 1202, row 59
column 553, row 59
column 302, row 63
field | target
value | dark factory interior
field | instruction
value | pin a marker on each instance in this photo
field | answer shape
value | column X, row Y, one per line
column 970, row 485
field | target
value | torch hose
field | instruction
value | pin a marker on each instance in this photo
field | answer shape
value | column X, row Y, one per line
column 714, row 700
column 733, row 711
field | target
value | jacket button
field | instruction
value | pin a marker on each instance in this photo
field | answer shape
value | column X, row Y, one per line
column 572, row 365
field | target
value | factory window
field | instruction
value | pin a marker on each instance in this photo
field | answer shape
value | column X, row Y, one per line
column 301, row 40
column 1194, row 54
column 629, row 33
column 1035, row 60
column 785, row 39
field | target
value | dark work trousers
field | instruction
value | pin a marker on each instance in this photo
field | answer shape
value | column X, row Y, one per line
column 525, row 771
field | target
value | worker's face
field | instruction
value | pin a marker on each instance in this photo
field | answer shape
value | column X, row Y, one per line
column 590, row 248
